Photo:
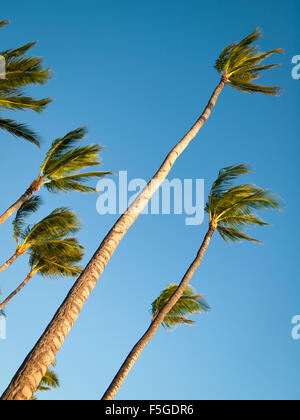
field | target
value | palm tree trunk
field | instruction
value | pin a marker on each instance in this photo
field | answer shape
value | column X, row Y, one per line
column 155, row 324
column 18, row 289
column 35, row 186
column 29, row 375
column 10, row 261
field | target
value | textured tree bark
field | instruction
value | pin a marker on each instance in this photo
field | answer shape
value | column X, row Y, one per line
column 29, row 375
column 35, row 186
column 155, row 324
column 10, row 261
column 18, row 289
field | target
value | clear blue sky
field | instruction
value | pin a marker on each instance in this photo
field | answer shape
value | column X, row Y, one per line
column 138, row 74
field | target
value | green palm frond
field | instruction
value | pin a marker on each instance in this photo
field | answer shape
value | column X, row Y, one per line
column 19, row 102
column 52, row 250
column 29, row 207
column 61, row 169
column 233, row 209
column 63, row 145
column 74, row 182
column 21, row 71
column 49, row 382
column 19, row 130
column 240, row 64
column 60, row 222
column 188, row 304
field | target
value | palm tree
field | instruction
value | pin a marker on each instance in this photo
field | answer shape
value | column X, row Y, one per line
column 51, row 249
column 61, row 169
column 188, row 304
column 46, row 232
column 231, row 210
column 244, row 59
column 21, row 71
column 49, row 382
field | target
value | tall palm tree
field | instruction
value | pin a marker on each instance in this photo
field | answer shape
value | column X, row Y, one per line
column 21, row 71
column 62, row 169
column 49, row 382
column 244, row 59
column 48, row 231
column 51, row 249
column 231, row 210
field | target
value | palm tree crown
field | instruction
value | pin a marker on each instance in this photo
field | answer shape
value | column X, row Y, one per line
column 64, row 160
column 21, row 71
column 233, row 209
column 51, row 248
column 240, row 64
column 188, row 304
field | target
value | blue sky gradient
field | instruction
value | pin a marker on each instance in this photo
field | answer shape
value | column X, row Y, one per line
column 138, row 74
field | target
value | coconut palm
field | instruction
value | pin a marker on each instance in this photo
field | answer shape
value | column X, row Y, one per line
column 188, row 304
column 49, row 382
column 59, row 258
column 90, row 276
column 51, row 249
column 62, row 169
column 48, row 231
column 21, row 71
column 231, row 210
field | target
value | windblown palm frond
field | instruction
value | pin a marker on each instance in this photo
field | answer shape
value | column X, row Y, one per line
column 19, row 130
column 49, row 243
column 21, row 71
column 240, row 64
column 29, row 207
column 64, row 161
column 233, row 209
column 188, row 304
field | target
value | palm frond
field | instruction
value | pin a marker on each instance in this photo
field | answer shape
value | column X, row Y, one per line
column 19, row 130
column 62, row 145
column 188, row 304
column 74, row 182
column 60, row 222
column 30, row 206
column 21, row 71
column 50, row 381
column 233, row 209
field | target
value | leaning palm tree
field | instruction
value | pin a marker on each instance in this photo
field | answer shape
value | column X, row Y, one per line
column 49, row 382
column 50, row 230
column 239, row 61
column 57, row 258
column 188, row 304
column 231, row 210
column 51, row 249
column 21, row 71
column 62, row 169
